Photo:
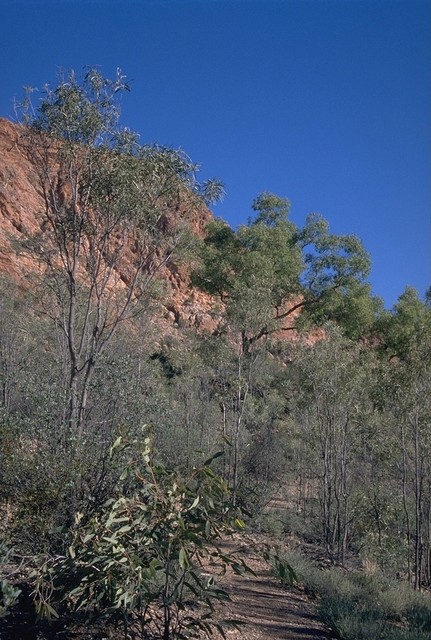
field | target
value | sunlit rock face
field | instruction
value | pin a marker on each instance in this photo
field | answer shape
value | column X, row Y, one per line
column 21, row 208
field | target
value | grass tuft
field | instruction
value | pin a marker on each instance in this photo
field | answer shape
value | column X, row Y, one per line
column 363, row 606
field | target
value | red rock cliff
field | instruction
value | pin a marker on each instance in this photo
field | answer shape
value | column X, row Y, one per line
column 20, row 206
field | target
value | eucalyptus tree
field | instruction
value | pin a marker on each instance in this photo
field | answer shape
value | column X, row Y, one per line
column 329, row 409
column 405, row 326
column 407, row 340
column 266, row 274
column 113, row 214
column 412, row 388
column 354, row 309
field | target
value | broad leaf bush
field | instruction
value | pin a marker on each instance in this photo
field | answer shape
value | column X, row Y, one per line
column 9, row 593
column 144, row 560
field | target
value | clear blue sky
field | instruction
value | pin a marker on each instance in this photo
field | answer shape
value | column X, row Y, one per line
column 326, row 102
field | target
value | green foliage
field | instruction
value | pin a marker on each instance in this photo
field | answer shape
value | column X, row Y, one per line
column 142, row 559
column 267, row 270
column 270, row 209
column 46, row 479
column 9, row 594
column 407, row 326
column 330, row 407
column 282, row 569
column 362, row 606
column 354, row 309
column 114, row 214
column 9, row 597
column 333, row 261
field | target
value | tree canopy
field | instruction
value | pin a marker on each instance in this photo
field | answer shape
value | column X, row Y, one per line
column 270, row 268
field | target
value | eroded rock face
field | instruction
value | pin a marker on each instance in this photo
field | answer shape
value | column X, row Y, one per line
column 21, row 209
column 20, row 202
column 21, row 213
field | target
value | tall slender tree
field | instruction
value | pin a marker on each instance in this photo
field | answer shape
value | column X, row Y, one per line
column 114, row 213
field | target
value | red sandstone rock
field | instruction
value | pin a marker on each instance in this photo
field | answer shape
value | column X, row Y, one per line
column 21, row 206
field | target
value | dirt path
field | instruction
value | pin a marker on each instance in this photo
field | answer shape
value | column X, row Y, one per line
column 269, row 611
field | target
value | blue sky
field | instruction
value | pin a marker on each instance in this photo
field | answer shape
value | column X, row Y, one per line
column 326, row 102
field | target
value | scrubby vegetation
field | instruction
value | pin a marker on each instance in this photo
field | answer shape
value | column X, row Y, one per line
column 112, row 500
column 358, row 605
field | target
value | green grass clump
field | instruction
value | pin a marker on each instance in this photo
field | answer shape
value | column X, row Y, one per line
column 364, row 606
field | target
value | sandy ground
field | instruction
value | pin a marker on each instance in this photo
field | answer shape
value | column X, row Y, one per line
column 268, row 610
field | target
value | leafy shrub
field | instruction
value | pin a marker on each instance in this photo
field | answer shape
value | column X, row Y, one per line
column 360, row 606
column 307, row 572
column 142, row 559
column 9, row 594
column 418, row 613
column 350, row 617
column 269, row 522
column 9, row 597
column 47, row 481
column 281, row 568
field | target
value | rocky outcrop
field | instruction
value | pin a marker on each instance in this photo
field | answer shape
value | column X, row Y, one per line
column 21, row 207
column 20, row 202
